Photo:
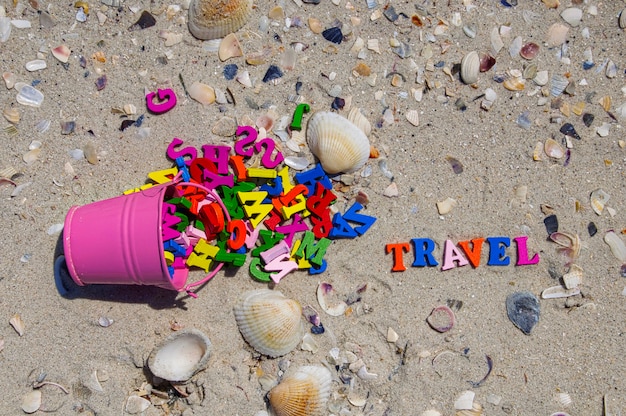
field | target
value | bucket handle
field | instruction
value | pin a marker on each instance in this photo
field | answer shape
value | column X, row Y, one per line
column 188, row 288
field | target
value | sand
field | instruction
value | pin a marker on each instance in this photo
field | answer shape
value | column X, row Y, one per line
column 577, row 346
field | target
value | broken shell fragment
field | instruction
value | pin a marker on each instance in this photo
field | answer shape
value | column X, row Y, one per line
column 412, row 117
column 338, row 143
column 214, row 19
column 523, row 310
column 622, row 19
column 470, row 67
column 325, row 292
column 514, row 83
column 553, row 149
column 229, row 48
column 598, row 200
column 441, row 319
column 304, row 393
column 62, row 53
column 17, row 324
column 270, row 322
column 574, row 277
column 557, row 292
column 557, row 34
column 180, row 356
column 445, row 206
column 572, row 15
column 529, row 51
column 12, row 115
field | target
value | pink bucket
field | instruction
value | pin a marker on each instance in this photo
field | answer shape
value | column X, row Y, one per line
column 119, row 241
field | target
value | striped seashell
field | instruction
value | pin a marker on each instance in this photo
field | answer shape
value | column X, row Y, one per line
column 305, row 393
column 270, row 322
column 338, row 143
column 470, row 66
column 180, row 355
column 213, row 19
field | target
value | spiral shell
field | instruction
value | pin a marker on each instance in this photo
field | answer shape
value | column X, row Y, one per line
column 305, row 393
column 337, row 142
column 213, row 19
column 270, row 322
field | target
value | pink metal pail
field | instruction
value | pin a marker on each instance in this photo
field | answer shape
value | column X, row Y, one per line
column 119, row 241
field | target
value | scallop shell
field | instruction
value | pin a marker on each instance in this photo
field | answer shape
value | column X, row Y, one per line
column 305, row 393
column 213, row 19
column 470, row 66
column 180, row 356
column 229, row 48
column 269, row 321
column 356, row 116
column 337, row 142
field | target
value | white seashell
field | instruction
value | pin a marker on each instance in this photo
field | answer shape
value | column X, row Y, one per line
column 470, row 67
column 270, row 322
column 304, row 393
column 445, row 206
column 21, row 23
column 598, row 199
column 31, row 156
column 413, row 117
column 17, row 324
column 229, row 48
column 622, row 19
column 430, row 412
column 180, row 356
column 363, row 374
column 213, row 19
column 36, row 65
column 244, row 79
column 212, row 45
column 541, row 78
column 556, row 292
column 618, row 248
column 373, row 45
column 31, row 402
column 136, row 404
column 29, row 96
column 564, row 399
column 553, row 149
column 324, row 293
column 572, row 15
column 496, row 41
column 465, row 400
column 202, row 93
column 574, row 277
column 338, row 143
column 558, row 85
column 12, row 115
column 356, row 116
column 557, row 34
column 515, row 47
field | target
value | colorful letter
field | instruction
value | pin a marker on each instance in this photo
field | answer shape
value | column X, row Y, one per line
column 522, row 252
column 423, row 248
column 451, row 254
column 497, row 251
column 473, row 255
column 398, row 260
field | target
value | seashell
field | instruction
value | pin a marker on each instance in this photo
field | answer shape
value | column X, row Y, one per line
column 244, row 79
column 315, row 25
column 470, row 66
column 12, row 115
column 541, row 78
column 31, row 401
column 373, row 45
column 557, row 292
column 611, row 69
column 270, row 322
column 89, row 150
column 230, row 71
column 598, row 199
column 9, row 79
column 621, row 21
column 333, row 35
column 470, row 31
column 202, row 93
column 304, row 393
column 445, row 206
column 213, row 19
column 62, row 53
column 553, row 149
column 529, row 51
column 476, row 410
column 496, row 41
column 530, row 72
column 31, row 156
column 557, row 34
column 441, row 319
column 338, row 143
column 413, row 117
column 551, row 4
column 273, row 72
column 515, row 47
column 136, row 405
column 618, row 248
column 572, row 15
column 514, row 83
column 522, row 309
column 486, row 62
column 465, row 401
column 356, row 116
column 574, row 277
column 229, row 48
column 324, row 292
column 180, row 355
column 36, row 65
column 17, row 324
column 558, row 85
column 564, row 399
